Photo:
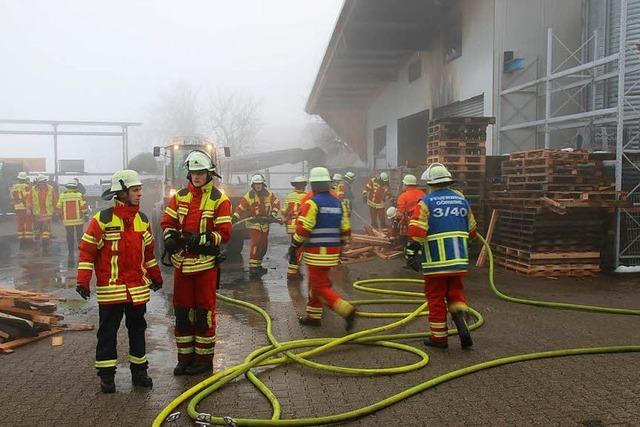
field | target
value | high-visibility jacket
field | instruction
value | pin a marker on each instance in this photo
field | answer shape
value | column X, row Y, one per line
column 291, row 209
column 252, row 204
column 20, row 196
column 339, row 189
column 118, row 246
column 377, row 193
column 43, row 201
column 72, row 206
column 407, row 201
column 322, row 226
column 198, row 210
column 443, row 223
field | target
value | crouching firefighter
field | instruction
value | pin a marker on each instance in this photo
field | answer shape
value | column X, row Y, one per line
column 196, row 222
column 322, row 227
column 438, row 236
column 118, row 246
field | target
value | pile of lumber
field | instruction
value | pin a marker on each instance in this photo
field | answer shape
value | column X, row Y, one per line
column 368, row 246
column 459, row 144
column 555, row 207
column 30, row 316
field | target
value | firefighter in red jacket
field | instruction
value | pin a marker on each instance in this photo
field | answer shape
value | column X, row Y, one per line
column 43, row 200
column 407, row 203
column 375, row 195
column 21, row 201
column 322, row 227
column 290, row 214
column 439, row 231
column 118, row 246
column 262, row 207
column 72, row 209
column 196, row 222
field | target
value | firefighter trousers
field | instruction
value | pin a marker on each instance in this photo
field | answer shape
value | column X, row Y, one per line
column 321, row 293
column 446, row 292
column 24, row 225
column 293, row 270
column 74, row 235
column 378, row 217
column 110, row 316
column 258, row 249
column 42, row 228
column 194, row 303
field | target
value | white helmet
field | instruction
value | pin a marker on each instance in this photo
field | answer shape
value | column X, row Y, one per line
column 199, row 161
column 299, row 180
column 73, row 183
column 384, row 177
column 437, row 173
column 338, row 177
column 257, row 179
column 319, row 174
column 350, row 176
column 409, row 180
column 391, row 212
column 22, row 175
column 42, row 178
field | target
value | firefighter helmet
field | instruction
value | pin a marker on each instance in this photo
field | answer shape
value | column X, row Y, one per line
column 319, row 174
column 391, row 212
column 350, row 176
column 384, row 177
column 122, row 181
column 437, row 173
column 299, row 180
column 338, row 177
column 199, row 161
column 22, row 176
column 73, row 183
column 409, row 180
column 42, row 178
column 257, row 179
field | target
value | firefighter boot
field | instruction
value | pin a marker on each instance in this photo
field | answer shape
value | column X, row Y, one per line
column 180, row 369
column 107, row 383
column 199, row 367
column 463, row 330
column 307, row 321
column 350, row 321
column 140, row 378
column 429, row 342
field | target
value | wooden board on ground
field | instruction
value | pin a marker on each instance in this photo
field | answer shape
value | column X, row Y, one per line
column 8, row 347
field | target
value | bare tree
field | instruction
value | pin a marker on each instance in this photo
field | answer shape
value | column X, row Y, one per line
column 234, row 120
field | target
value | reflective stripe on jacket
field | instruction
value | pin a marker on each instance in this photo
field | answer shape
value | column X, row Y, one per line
column 377, row 193
column 253, row 204
column 291, row 209
column 42, row 202
column 19, row 195
column 118, row 246
column 72, row 206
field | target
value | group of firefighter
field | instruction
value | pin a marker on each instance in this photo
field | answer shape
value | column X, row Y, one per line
column 118, row 247
column 37, row 205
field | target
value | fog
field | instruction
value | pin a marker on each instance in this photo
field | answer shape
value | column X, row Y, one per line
column 107, row 61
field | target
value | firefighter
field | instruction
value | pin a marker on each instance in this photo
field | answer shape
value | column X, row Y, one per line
column 20, row 199
column 407, row 202
column 263, row 207
column 338, row 185
column 439, row 231
column 72, row 208
column 290, row 214
column 349, row 177
column 43, row 202
column 196, row 222
column 118, row 246
column 322, row 228
column 375, row 195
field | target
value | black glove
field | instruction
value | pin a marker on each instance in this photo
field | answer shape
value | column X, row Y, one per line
column 154, row 286
column 234, row 219
column 293, row 256
column 413, row 255
column 364, row 199
column 173, row 243
column 194, row 241
column 83, row 292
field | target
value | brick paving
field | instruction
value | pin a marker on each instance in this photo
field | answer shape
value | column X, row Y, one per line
column 45, row 385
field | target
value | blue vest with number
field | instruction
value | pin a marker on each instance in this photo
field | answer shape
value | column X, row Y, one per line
column 446, row 250
column 327, row 230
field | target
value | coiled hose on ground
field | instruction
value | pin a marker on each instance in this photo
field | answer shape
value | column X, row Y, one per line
column 278, row 353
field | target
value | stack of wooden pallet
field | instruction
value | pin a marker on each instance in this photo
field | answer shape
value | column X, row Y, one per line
column 554, row 209
column 459, row 144
column 29, row 316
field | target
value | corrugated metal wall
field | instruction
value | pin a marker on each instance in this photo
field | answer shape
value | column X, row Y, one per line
column 472, row 107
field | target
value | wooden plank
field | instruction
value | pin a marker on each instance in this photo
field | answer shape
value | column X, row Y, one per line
column 34, row 315
column 77, row 326
column 8, row 347
column 482, row 258
column 57, row 340
column 356, row 252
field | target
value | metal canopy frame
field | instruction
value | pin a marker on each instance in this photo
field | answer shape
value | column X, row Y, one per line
column 123, row 133
column 572, row 82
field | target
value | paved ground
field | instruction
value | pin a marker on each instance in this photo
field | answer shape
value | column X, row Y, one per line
column 45, row 385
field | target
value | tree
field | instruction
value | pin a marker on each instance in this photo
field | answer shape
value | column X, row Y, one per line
column 234, row 120
column 145, row 163
column 175, row 113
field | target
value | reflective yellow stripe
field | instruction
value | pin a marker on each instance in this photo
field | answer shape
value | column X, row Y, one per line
column 187, row 350
column 89, row 239
column 438, row 324
column 85, row 266
column 448, row 234
column 111, row 288
column 106, row 363
column 417, row 223
column 138, row 360
column 183, row 340
column 114, row 263
column 222, row 220
column 151, row 263
column 440, row 334
column 173, row 214
column 205, row 340
column 204, row 350
column 446, row 263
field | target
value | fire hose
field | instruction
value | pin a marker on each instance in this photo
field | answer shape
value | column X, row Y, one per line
column 278, row 353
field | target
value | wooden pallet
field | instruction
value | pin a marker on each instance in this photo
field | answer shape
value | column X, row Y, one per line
column 551, row 270
column 455, row 143
column 455, row 151
column 551, row 154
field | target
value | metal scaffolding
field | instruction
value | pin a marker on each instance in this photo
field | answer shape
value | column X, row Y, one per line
column 573, row 91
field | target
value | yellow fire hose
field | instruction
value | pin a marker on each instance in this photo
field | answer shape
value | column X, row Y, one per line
column 278, row 353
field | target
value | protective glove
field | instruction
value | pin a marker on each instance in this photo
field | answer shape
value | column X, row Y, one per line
column 83, row 292
column 412, row 253
column 194, row 241
column 155, row 286
column 293, row 256
column 364, row 199
column 234, row 219
column 172, row 243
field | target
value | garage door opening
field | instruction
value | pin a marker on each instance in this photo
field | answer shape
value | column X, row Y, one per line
column 412, row 139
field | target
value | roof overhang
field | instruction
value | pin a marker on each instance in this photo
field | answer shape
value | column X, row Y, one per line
column 372, row 39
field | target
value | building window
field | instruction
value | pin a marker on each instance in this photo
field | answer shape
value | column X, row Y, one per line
column 452, row 35
column 415, row 70
column 380, row 143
